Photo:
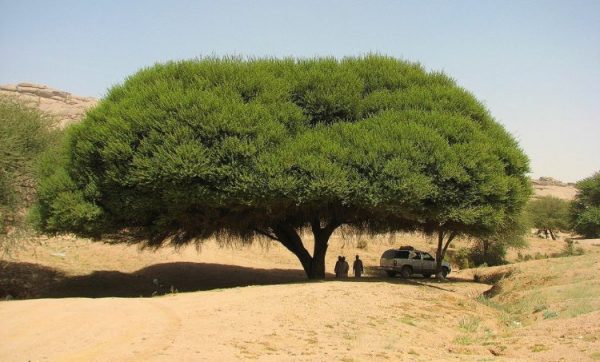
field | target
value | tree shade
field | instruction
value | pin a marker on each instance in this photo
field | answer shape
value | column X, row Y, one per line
column 189, row 150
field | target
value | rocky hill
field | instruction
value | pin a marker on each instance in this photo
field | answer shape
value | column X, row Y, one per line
column 66, row 107
column 547, row 186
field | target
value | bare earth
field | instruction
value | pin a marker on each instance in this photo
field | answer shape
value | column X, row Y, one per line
column 225, row 315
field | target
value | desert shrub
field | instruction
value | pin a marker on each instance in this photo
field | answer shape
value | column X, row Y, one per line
column 469, row 324
column 585, row 209
column 25, row 134
column 461, row 258
column 570, row 249
column 549, row 314
column 490, row 254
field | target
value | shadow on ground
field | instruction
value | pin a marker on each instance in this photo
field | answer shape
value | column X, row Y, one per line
column 27, row 280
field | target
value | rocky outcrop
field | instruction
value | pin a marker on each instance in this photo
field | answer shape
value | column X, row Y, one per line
column 548, row 181
column 64, row 106
column 548, row 186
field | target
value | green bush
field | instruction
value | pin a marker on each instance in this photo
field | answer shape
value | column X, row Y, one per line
column 25, row 133
column 461, row 258
column 585, row 210
column 490, row 254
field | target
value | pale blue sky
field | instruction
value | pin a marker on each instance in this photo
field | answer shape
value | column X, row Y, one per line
column 535, row 64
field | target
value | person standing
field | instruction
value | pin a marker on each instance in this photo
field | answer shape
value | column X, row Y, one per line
column 345, row 267
column 358, row 267
column 338, row 267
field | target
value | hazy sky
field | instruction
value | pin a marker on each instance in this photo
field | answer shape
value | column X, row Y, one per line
column 535, row 64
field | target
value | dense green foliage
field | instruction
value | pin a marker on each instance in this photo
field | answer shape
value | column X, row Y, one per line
column 585, row 210
column 215, row 147
column 24, row 134
column 549, row 214
column 491, row 250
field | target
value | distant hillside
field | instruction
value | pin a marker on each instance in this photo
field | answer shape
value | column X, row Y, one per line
column 66, row 107
column 547, row 186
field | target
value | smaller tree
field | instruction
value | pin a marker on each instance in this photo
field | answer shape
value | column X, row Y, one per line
column 492, row 249
column 24, row 134
column 585, row 209
column 549, row 214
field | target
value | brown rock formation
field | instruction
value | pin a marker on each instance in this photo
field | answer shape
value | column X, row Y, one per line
column 548, row 186
column 66, row 107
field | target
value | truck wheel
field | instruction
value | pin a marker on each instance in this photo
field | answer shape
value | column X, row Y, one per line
column 391, row 273
column 406, row 272
column 445, row 272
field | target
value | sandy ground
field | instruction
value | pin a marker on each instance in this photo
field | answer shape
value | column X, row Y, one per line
column 304, row 321
column 97, row 313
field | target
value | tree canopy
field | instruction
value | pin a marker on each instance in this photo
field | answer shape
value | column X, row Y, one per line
column 224, row 147
column 549, row 214
column 585, row 210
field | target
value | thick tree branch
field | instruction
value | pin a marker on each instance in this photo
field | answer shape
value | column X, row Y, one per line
column 267, row 234
column 450, row 238
column 287, row 235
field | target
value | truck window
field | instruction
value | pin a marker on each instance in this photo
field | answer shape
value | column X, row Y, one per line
column 402, row 254
column 389, row 254
column 427, row 256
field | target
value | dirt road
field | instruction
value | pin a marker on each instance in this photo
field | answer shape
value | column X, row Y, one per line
column 304, row 321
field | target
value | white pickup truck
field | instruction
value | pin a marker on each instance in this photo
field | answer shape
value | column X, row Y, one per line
column 409, row 262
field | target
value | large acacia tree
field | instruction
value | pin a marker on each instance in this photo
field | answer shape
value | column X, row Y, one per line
column 188, row 150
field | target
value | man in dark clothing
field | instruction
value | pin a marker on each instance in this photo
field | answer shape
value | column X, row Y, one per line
column 345, row 267
column 358, row 267
column 338, row 267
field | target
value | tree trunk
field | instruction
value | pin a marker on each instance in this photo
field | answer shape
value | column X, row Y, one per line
column 321, row 236
column 485, row 250
column 438, row 255
column 552, row 234
column 441, row 251
column 317, row 270
column 314, row 266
